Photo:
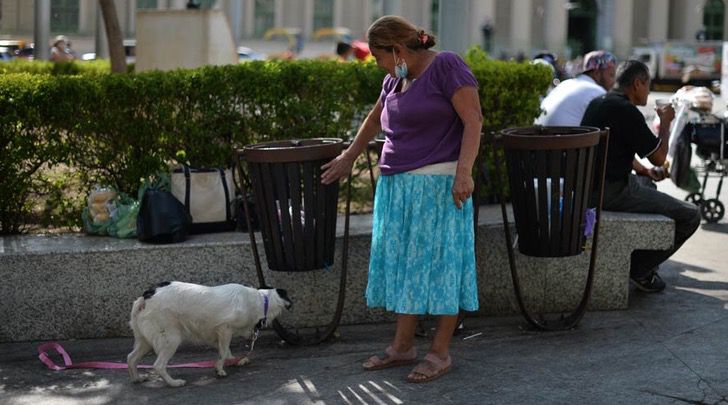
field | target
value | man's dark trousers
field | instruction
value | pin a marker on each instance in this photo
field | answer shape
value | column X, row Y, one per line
column 639, row 195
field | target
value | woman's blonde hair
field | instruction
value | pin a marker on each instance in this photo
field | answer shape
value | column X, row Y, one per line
column 390, row 30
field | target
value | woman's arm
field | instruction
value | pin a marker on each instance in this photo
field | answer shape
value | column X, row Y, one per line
column 467, row 104
column 341, row 166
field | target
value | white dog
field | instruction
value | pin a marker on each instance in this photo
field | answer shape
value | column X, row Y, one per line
column 175, row 312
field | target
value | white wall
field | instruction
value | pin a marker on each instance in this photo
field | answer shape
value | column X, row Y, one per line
column 172, row 39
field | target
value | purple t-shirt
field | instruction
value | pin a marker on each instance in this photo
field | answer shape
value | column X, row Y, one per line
column 421, row 125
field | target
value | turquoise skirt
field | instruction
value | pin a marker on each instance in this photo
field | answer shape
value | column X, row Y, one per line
column 423, row 256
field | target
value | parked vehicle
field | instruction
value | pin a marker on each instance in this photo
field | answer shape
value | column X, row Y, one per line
column 246, row 54
column 16, row 48
column 25, row 53
column 697, row 63
column 129, row 51
column 13, row 45
column 5, row 54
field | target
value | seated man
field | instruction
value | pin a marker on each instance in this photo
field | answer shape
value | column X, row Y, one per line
column 565, row 104
column 624, row 191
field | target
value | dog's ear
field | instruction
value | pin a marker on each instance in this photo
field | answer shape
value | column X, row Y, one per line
column 282, row 293
column 284, row 296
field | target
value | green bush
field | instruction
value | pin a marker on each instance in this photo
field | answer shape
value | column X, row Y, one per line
column 87, row 68
column 116, row 129
column 509, row 97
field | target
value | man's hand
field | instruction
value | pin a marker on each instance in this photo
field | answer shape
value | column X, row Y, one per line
column 657, row 173
column 666, row 114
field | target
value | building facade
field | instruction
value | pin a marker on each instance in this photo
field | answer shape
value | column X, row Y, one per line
column 505, row 27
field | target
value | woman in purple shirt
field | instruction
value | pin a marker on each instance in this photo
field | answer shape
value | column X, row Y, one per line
column 422, row 255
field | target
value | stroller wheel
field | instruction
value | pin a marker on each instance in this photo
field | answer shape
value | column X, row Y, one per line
column 712, row 210
column 695, row 198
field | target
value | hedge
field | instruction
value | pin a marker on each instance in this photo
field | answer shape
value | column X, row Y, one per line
column 89, row 68
column 62, row 134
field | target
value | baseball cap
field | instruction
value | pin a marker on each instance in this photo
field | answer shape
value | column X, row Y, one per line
column 598, row 60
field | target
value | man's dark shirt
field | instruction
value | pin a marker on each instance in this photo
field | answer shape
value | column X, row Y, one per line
column 628, row 132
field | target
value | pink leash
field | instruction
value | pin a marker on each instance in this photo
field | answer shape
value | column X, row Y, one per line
column 43, row 356
column 44, row 348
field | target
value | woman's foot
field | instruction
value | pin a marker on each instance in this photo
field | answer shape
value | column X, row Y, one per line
column 431, row 368
column 391, row 358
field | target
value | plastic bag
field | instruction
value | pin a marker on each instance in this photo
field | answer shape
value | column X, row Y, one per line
column 97, row 215
column 110, row 213
column 124, row 221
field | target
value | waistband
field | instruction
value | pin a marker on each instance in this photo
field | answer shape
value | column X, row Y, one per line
column 441, row 169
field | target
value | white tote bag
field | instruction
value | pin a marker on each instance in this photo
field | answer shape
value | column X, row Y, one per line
column 208, row 195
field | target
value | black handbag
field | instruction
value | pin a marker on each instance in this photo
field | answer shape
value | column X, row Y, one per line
column 162, row 218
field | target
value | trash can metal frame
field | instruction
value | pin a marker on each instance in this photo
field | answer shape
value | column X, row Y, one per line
column 556, row 151
column 300, row 235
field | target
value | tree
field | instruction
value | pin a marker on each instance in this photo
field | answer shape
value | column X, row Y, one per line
column 113, row 33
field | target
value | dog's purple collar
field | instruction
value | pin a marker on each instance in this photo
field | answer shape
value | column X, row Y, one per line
column 264, row 321
column 265, row 309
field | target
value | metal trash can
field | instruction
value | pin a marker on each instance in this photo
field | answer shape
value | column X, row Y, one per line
column 556, row 178
column 296, row 212
column 550, row 174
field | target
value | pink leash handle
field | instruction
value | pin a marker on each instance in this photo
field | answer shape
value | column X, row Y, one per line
column 68, row 364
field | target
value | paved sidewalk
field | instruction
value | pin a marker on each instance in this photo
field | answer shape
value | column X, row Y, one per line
column 667, row 348
column 670, row 347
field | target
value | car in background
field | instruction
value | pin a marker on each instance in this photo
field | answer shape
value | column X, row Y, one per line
column 25, row 53
column 16, row 48
column 5, row 54
column 129, row 51
column 12, row 44
column 246, row 54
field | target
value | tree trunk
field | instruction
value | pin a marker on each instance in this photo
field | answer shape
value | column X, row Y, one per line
column 113, row 33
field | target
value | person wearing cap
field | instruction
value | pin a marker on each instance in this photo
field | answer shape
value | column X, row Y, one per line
column 566, row 103
column 60, row 51
column 624, row 191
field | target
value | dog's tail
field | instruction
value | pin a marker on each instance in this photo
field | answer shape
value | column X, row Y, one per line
column 136, row 308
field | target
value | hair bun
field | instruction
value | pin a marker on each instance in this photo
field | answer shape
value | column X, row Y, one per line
column 426, row 40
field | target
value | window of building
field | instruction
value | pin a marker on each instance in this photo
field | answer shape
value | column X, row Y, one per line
column 323, row 14
column 582, row 26
column 713, row 15
column 205, row 4
column 265, row 13
column 146, row 4
column 435, row 17
column 377, row 9
column 64, row 16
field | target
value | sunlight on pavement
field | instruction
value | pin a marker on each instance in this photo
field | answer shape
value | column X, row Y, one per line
column 36, row 399
column 717, row 294
column 394, row 399
column 92, row 393
column 703, row 276
column 375, row 392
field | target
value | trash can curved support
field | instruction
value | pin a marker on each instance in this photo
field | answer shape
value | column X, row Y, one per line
column 569, row 321
column 330, row 328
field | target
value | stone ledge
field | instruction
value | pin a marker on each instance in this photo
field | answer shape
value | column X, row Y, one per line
column 74, row 286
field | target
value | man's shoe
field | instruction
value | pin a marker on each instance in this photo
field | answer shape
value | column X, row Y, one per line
column 652, row 284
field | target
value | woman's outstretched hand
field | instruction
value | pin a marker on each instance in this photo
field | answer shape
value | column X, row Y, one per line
column 336, row 169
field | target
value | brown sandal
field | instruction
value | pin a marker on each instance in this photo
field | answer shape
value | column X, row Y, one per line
column 391, row 358
column 431, row 368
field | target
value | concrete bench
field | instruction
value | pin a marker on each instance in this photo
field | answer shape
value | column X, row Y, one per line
column 75, row 286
